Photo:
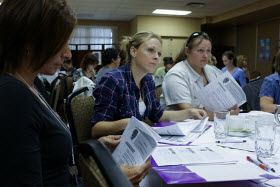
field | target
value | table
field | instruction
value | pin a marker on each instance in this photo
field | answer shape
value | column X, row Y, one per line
column 179, row 173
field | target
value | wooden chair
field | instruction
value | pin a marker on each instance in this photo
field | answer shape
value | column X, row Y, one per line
column 98, row 167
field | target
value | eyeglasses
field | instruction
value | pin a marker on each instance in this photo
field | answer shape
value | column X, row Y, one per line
column 194, row 35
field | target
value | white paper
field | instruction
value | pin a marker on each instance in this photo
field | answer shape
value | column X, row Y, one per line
column 137, row 144
column 190, row 155
column 183, row 128
column 221, row 94
column 191, row 136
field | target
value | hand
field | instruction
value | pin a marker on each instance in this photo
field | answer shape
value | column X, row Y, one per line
column 196, row 113
column 136, row 173
column 148, row 126
column 234, row 110
column 111, row 141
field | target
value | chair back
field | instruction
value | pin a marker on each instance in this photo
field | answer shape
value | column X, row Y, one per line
column 79, row 112
column 98, row 167
column 68, row 86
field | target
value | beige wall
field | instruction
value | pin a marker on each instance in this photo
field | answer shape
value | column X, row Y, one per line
column 174, row 31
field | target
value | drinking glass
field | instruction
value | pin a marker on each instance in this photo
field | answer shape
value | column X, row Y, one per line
column 221, row 124
column 265, row 130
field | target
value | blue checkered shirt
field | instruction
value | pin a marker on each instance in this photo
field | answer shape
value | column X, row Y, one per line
column 117, row 97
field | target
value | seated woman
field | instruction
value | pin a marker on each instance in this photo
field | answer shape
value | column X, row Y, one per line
column 190, row 75
column 129, row 90
column 230, row 63
column 88, row 65
column 270, row 90
column 36, row 146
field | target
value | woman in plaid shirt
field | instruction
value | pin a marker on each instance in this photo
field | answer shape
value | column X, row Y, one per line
column 129, row 90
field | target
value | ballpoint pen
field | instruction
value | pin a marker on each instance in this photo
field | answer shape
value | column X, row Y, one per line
column 257, row 163
column 269, row 168
column 234, row 141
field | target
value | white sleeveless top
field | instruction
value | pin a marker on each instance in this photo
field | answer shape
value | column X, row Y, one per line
column 142, row 108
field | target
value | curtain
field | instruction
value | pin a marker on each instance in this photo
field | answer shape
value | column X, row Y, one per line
column 93, row 35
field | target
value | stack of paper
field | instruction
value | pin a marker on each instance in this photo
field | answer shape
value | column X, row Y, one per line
column 191, row 155
column 182, row 133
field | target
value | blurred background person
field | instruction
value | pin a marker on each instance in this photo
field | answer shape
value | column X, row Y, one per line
column 213, row 62
column 230, row 64
column 110, row 60
column 242, row 63
column 168, row 64
column 270, row 90
column 68, row 67
column 88, row 64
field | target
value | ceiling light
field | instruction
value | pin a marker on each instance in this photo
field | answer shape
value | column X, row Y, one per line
column 171, row 12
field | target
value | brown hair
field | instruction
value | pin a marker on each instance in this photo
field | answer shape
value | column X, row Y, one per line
column 135, row 41
column 33, row 29
column 230, row 55
column 88, row 59
column 277, row 62
column 193, row 40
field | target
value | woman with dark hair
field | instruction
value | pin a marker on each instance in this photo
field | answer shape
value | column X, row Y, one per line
column 35, row 145
column 190, row 75
column 88, row 65
column 230, row 63
column 270, row 90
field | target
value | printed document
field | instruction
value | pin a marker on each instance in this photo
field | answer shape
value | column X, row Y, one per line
column 137, row 143
column 221, row 94
column 191, row 155
column 182, row 133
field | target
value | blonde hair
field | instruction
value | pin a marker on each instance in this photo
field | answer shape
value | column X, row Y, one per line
column 240, row 59
column 212, row 61
column 135, row 41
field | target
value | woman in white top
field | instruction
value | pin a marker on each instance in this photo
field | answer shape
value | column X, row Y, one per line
column 190, row 75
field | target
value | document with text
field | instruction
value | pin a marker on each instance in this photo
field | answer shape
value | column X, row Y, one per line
column 191, row 155
column 221, row 94
column 182, row 133
column 137, row 143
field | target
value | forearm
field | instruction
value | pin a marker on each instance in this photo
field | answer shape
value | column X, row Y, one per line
column 104, row 128
column 268, row 108
column 183, row 106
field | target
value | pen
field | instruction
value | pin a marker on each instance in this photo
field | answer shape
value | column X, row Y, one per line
column 273, row 170
column 236, row 141
column 257, row 163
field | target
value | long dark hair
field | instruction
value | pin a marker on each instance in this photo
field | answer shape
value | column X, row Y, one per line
column 33, row 29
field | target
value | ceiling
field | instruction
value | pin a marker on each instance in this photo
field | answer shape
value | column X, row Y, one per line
column 125, row 10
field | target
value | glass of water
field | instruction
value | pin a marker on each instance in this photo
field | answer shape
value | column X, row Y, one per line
column 265, row 130
column 221, row 124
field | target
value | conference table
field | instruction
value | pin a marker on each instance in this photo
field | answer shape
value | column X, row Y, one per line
column 214, row 175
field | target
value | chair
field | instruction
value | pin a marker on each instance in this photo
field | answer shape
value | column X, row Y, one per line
column 98, row 167
column 252, row 91
column 68, row 86
column 79, row 111
column 158, row 91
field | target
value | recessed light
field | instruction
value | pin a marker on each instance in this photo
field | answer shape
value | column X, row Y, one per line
column 171, row 12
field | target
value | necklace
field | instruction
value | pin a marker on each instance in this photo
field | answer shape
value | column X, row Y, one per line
column 30, row 87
